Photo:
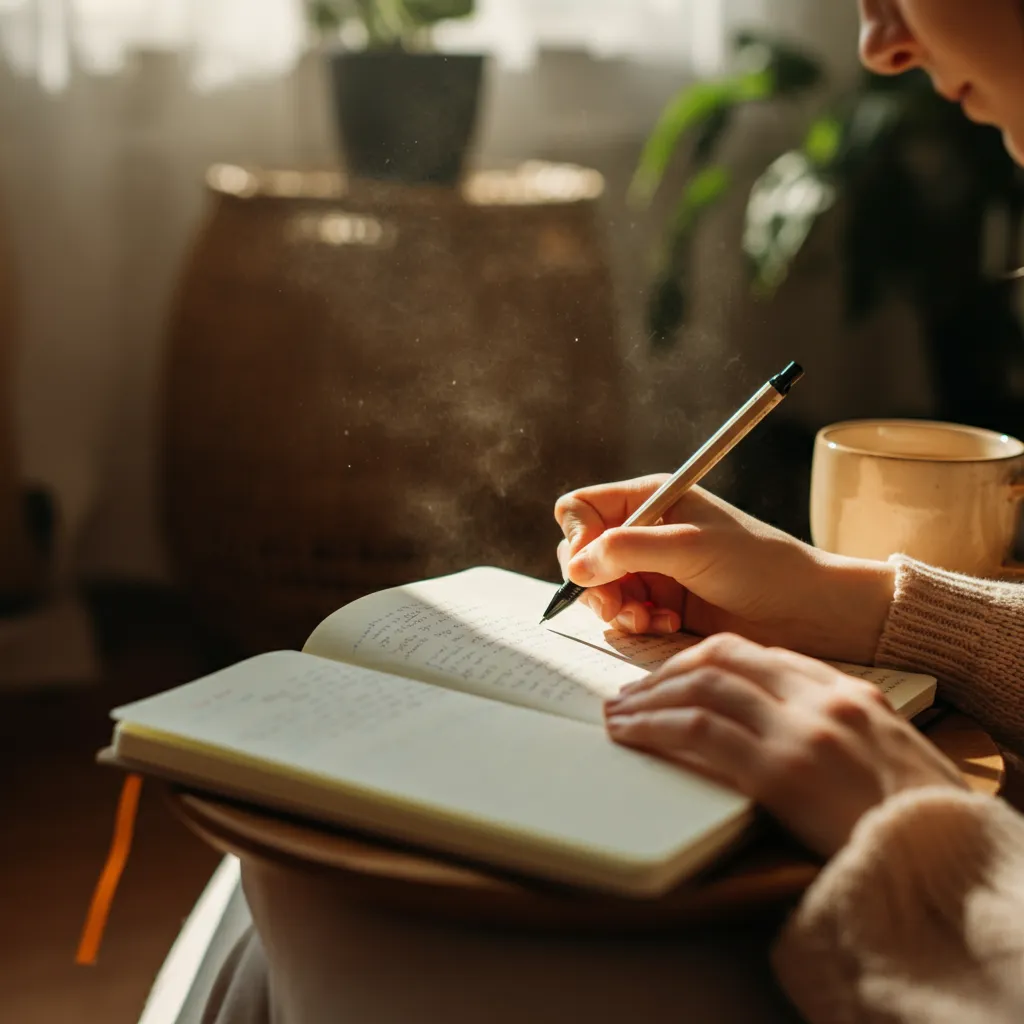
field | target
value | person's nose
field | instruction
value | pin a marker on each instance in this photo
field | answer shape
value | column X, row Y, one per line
column 887, row 46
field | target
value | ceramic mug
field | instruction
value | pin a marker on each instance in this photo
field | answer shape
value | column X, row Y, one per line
column 944, row 494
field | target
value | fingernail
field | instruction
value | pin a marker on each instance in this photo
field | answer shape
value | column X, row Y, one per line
column 580, row 570
column 630, row 688
column 617, row 724
column 663, row 622
column 626, row 621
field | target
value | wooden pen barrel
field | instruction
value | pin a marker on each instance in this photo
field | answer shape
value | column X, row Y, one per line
column 369, row 384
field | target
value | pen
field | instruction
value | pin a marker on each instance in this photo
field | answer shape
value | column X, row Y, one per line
column 701, row 462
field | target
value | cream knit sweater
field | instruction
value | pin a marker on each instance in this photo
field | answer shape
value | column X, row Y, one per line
column 921, row 917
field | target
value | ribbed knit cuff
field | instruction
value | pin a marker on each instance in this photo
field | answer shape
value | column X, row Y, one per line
column 928, row 893
column 967, row 632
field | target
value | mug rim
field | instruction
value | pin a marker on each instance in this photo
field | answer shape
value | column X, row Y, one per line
column 822, row 437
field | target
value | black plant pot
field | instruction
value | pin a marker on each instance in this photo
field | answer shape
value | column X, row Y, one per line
column 406, row 117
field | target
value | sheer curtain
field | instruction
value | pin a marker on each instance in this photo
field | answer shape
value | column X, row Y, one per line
column 227, row 39
column 110, row 111
column 239, row 38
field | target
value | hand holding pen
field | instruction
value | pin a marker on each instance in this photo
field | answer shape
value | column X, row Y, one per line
column 695, row 468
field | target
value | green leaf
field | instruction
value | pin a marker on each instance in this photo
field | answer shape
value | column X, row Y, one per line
column 766, row 69
column 702, row 192
column 429, row 12
column 823, row 140
column 709, row 133
column 793, row 70
column 689, row 108
column 785, row 203
column 384, row 21
column 324, row 15
column 666, row 311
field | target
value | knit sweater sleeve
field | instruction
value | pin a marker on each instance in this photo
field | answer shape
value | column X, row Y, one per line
column 967, row 632
column 918, row 920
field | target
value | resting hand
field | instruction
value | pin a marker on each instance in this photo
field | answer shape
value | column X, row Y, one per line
column 708, row 568
column 815, row 747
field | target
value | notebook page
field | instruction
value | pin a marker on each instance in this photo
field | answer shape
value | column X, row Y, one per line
column 907, row 692
column 430, row 764
column 284, row 702
column 478, row 631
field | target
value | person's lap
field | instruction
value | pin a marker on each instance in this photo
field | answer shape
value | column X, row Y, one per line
column 315, row 958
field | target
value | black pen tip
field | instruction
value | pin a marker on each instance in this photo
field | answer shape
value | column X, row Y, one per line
column 564, row 597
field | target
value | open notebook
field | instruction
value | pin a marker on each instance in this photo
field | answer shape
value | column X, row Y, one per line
column 442, row 714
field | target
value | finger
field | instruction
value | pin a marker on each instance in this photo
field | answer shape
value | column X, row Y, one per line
column 699, row 654
column 585, row 513
column 563, row 554
column 633, row 588
column 852, row 703
column 633, row 617
column 669, row 550
column 650, row 604
column 665, row 592
column 667, row 598
column 605, row 601
column 648, row 618
column 728, row 750
column 690, row 761
column 722, row 693
column 780, row 673
column 616, row 594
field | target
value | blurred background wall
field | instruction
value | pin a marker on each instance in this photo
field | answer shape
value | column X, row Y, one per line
column 112, row 112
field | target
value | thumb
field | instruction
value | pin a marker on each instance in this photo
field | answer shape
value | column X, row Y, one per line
column 581, row 523
column 631, row 549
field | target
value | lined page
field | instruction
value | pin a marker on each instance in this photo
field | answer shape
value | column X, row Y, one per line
column 478, row 631
column 284, row 703
column 501, row 783
column 907, row 692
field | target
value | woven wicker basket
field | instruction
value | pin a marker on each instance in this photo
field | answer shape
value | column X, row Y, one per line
column 371, row 385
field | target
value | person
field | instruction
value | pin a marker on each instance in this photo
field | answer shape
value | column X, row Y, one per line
column 918, row 914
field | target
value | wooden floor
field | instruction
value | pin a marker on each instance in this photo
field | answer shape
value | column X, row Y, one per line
column 57, row 811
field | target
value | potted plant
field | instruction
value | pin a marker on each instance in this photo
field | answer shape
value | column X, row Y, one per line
column 404, row 112
column 917, row 184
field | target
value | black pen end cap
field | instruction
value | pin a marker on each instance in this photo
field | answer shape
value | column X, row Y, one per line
column 786, row 378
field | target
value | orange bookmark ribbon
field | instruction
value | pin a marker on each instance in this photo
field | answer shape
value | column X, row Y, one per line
column 106, row 887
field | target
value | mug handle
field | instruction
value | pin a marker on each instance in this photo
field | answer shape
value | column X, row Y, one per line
column 1014, row 570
